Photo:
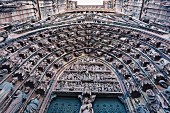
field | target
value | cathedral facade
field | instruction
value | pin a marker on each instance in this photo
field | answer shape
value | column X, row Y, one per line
column 82, row 59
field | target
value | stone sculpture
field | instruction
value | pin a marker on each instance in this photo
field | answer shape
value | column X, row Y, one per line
column 3, row 72
column 86, row 100
column 33, row 105
column 17, row 101
column 87, row 75
column 163, row 84
column 140, row 107
column 6, row 88
column 167, row 93
column 153, row 102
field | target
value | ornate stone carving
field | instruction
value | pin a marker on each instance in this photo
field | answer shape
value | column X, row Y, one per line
column 86, row 100
column 141, row 108
column 106, row 45
column 6, row 88
column 88, row 75
column 153, row 102
column 17, row 101
column 163, row 84
column 33, row 105
column 3, row 72
column 146, row 85
column 167, row 93
column 167, row 68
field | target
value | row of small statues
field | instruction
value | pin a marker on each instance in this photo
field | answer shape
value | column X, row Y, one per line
column 89, row 67
column 18, row 99
column 155, row 103
column 87, row 59
column 96, row 87
column 87, row 76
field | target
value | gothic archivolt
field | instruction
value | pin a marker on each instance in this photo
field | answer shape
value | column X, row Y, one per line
column 121, row 62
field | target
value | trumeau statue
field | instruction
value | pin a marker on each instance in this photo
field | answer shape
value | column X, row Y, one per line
column 6, row 88
column 17, row 101
column 33, row 105
column 86, row 100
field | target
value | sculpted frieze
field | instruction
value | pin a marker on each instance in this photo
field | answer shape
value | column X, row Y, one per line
column 88, row 75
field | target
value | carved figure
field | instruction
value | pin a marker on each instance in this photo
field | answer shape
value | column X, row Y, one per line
column 17, row 101
column 87, row 88
column 141, row 108
column 86, row 103
column 130, row 84
column 153, row 102
column 167, row 93
column 33, row 105
column 3, row 72
column 163, row 84
column 6, row 88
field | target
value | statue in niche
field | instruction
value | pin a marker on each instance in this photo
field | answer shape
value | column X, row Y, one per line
column 153, row 102
column 130, row 84
column 167, row 93
column 86, row 100
column 151, row 69
column 6, row 88
column 163, row 84
column 60, row 85
column 3, row 72
column 18, row 100
column 33, row 105
column 140, row 107
column 163, row 104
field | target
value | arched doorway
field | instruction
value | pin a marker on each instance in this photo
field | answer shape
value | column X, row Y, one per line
column 72, row 105
column 87, row 77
